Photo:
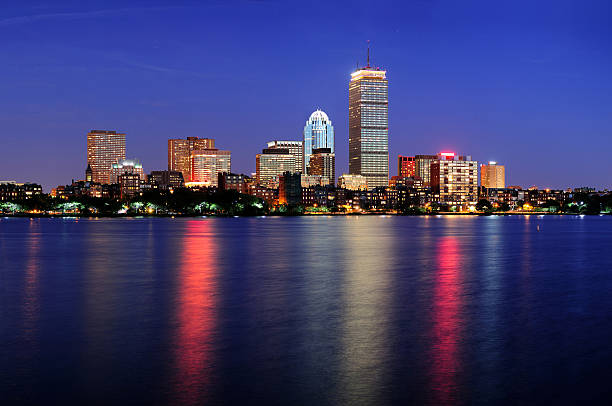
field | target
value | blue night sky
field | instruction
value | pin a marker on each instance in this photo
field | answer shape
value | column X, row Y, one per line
column 528, row 85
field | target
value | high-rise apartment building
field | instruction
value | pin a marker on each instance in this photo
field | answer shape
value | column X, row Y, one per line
column 369, row 125
column 492, row 176
column 126, row 166
column 455, row 179
column 295, row 148
column 423, row 167
column 318, row 133
column 271, row 163
column 323, row 163
column 104, row 148
column 179, row 153
column 406, row 166
column 207, row 164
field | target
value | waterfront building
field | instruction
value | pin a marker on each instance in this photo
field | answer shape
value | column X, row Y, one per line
column 271, row 163
column 492, row 176
column 179, row 153
column 408, row 181
column 314, row 180
column 13, row 191
column 423, row 167
column 290, row 188
column 166, row 179
column 454, row 180
column 233, row 181
column 207, row 164
column 267, row 194
column 323, row 163
column 295, row 148
column 406, row 166
column 131, row 166
column 104, row 148
column 318, row 133
column 129, row 184
column 369, row 125
column 353, row 182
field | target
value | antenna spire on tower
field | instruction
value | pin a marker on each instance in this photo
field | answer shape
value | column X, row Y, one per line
column 368, row 53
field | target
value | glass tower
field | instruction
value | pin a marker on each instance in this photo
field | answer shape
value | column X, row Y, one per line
column 318, row 133
column 369, row 125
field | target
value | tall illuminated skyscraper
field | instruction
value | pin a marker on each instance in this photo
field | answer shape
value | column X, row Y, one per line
column 493, row 175
column 179, row 153
column 369, row 125
column 104, row 148
column 295, row 148
column 318, row 133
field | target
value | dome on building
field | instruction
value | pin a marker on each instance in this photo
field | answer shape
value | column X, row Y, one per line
column 319, row 115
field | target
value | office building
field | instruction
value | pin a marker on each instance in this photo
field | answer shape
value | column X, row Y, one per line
column 423, row 167
column 323, row 163
column 129, row 184
column 369, row 125
column 179, row 153
column 406, row 166
column 234, row 181
column 290, row 188
column 271, row 163
column 207, row 164
column 492, row 176
column 104, row 148
column 166, row 179
column 131, row 166
column 295, row 148
column 454, row 179
column 318, row 133
column 353, row 182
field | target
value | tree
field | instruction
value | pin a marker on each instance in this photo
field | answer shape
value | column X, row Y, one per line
column 484, row 205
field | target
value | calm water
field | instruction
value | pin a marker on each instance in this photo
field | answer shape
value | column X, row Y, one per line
column 343, row 310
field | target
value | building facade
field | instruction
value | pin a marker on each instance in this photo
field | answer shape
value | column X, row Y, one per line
column 104, row 148
column 318, row 133
column 406, row 166
column 207, row 164
column 369, row 125
column 179, row 153
column 295, row 148
column 290, row 188
column 272, row 163
column 492, row 176
column 423, row 167
column 131, row 166
column 323, row 163
column 166, row 179
column 234, row 181
column 454, row 179
column 353, row 182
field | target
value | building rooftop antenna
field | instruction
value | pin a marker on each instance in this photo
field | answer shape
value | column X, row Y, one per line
column 368, row 53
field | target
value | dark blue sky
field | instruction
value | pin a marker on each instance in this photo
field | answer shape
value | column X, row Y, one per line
column 526, row 84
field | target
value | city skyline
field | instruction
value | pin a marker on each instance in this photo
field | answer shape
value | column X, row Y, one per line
column 467, row 78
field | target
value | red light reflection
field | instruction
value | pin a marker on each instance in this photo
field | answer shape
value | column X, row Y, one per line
column 446, row 323
column 195, row 313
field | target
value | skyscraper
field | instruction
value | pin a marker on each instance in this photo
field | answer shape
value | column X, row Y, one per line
column 369, row 125
column 295, row 148
column 423, row 167
column 406, row 166
column 318, row 133
column 126, row 166
column 179, row 153
column 207, row 164
column 272, row 163
column 323, row 163
column 104, row 148
column 492, row 176
column 455, row 179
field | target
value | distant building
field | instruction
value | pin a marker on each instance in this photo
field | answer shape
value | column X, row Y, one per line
column 406, row 166
column 233, row 181
column 271, row 163
column 369, row 125
column 492, row 176
column 318, row 133
column 454, row 179
column 179, row 153
column 129, row 184
column 207, row 164
column 408, row 181
column 88, row 174
column 323, row 163
column 423, row 167
column 123, row 166
column 104, row 148
column 12, row 191
column 166, row 179
column 353, row 182
column 314, row 180
column 264, row 193
column 295, row 148
column 290, row 188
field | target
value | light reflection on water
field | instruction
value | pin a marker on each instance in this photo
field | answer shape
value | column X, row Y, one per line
column 339, row 310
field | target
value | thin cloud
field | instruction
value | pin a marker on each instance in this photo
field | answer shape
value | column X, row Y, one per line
column 74, row 15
